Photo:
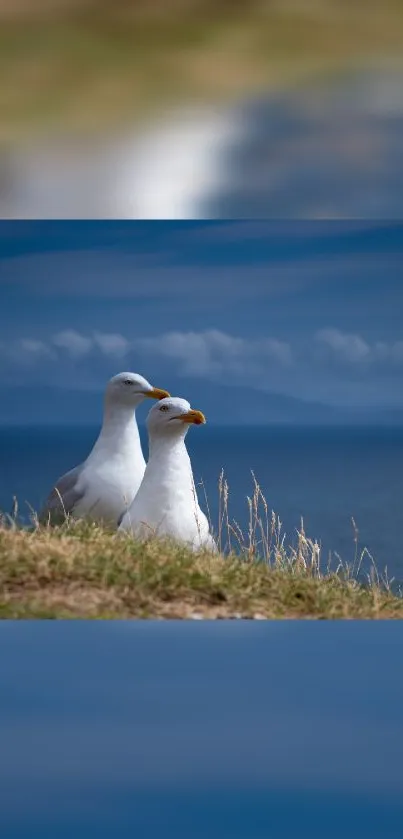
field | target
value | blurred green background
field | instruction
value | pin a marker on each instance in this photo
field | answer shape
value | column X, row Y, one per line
column 90, row 65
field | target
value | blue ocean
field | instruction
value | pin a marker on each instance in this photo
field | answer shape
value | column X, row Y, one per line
column 325, row 475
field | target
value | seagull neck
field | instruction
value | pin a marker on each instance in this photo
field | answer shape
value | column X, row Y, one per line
column 169, row 474
column 168, row 447
column 119, row 425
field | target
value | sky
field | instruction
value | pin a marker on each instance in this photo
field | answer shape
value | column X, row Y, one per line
column 303, row 313
column 230, row 729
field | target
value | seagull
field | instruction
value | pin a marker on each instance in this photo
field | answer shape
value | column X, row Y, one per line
column 104, row 485
column 166, row 503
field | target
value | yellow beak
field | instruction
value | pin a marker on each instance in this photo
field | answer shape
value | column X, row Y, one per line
column 156, row 393
column 194, row 417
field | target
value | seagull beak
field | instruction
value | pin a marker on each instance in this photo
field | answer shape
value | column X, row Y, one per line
column 156, row 393
column 192, row 417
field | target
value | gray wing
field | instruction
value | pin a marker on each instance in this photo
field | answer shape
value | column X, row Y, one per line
column 63, row 498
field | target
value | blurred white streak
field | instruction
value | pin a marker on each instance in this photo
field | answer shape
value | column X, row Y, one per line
column 172, row 171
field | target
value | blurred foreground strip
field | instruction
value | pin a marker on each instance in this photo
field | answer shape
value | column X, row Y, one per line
column 195, row 108
column 328, row 151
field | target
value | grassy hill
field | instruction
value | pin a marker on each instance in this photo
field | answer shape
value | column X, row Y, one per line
column 82, row 571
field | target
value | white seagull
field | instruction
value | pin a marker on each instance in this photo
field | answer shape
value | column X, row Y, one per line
column 166, row 504
column 104, row 485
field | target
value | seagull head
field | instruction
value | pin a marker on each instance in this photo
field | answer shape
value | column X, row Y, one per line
column 173, row 415
column 129, row 389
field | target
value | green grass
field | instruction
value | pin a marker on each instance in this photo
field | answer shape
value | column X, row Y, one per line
column 95, row 64
column 79, row 570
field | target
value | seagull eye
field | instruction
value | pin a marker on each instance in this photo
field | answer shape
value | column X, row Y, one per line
column 164, row 408
column 128, row 382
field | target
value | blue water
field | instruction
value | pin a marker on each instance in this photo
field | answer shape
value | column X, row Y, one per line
column 220, row 730
column 325, row 475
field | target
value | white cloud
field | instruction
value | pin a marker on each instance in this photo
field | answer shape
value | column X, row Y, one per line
column 209, row 354
column 347, row 346
column 76, row 345
column 212, row 352
column 29, row 345
column 355, row 351
column 336, row 367
column 112, row 344
column 27, row 351
column 66, row 344
column 396, row 352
